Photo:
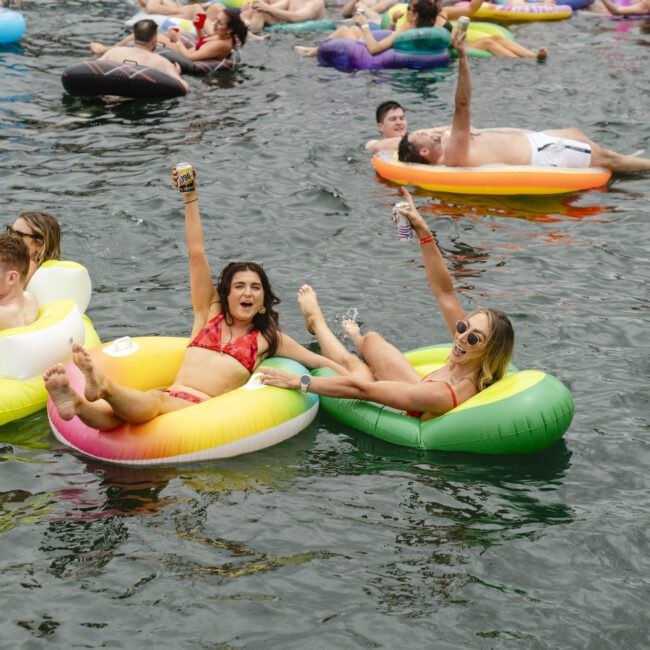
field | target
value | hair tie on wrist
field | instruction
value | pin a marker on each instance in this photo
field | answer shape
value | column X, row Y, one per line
column 192, row 201
column 426, row 240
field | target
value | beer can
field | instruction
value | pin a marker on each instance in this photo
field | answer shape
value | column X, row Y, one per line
column 404, row 228
column 463, row 24
column 360, row 9
column 185, row 177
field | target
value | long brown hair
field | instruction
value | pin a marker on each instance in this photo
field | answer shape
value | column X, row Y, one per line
column 498, row 349
column 267, row 322
column 47, row 229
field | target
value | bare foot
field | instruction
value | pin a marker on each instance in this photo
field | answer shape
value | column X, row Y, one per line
column 98, row 48
column 542, row 54
column 64, row 398
column 301, row 50
column 308, row 302
column 96, row 384
column 353, row 331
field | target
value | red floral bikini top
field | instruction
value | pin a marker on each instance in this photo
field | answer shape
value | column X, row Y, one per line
column 244, row 348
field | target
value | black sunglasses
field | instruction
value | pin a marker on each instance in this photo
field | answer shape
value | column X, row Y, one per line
column 19, row 233
column 461, row 327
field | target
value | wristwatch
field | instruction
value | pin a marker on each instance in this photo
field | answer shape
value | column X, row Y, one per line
column 305, row 380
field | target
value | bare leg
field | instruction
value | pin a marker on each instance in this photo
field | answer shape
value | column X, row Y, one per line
column 69, row 404
column 128, row 404
column 601, row 157
column 384, row 359
column 330, row 346
column 305, row 51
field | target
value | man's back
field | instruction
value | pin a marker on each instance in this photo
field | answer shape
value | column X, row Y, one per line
column 23, row 310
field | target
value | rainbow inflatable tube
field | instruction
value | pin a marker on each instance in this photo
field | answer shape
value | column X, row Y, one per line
column 247, row 419
column 502, row 180
column 522, row 413
column 12, row 26
column 27, row 352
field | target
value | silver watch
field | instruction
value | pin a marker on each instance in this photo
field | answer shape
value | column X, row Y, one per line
column 305, row 380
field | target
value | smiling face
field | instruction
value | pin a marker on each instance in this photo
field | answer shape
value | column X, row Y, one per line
column 462, row 351
column 394, row 124
column 246, row 295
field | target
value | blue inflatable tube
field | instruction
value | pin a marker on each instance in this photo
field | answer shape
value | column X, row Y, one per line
column 12, row 26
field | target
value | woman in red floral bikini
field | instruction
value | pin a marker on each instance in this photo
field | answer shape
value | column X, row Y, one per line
column 235, row 328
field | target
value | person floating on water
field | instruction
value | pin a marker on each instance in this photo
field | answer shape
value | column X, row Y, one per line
column 464, row 147
column 235, row 328
column 482, row 346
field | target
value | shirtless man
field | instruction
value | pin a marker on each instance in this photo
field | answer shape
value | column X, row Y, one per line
column 284, row 11
column 145, row 38
column 392, row 126
column 17, row 306
column 462, row 147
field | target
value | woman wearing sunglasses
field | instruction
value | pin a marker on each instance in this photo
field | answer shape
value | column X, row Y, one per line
column 480, row 352
column 41, row 233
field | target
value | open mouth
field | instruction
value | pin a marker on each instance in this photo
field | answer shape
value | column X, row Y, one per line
column 246, row 305
column 458, row 351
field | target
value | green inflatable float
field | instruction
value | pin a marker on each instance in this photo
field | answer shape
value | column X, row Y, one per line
column 522, row 413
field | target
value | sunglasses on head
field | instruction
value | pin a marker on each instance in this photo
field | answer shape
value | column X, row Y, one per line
column 461, row 327
column 19, row 233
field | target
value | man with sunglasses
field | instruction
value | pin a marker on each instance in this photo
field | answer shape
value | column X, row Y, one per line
column 507, row 146
column 17, row 306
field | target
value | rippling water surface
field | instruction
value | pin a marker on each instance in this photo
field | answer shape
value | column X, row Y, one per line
column 332, row 539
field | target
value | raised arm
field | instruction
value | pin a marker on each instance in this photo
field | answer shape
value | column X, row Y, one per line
column 204, row 294
column 457, row 149
column 438, row 276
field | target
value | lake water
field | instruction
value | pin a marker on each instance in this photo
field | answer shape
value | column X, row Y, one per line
column 332, row 539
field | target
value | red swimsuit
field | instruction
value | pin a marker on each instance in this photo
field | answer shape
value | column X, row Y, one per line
column 419, row 414
column 244, row 348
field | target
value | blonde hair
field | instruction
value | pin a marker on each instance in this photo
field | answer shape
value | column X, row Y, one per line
column 47, row 228
column 498, row 349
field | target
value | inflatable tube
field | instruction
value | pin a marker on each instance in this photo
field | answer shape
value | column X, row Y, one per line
column 95, row 78
column 321, row 25
column 522, row 413
column 165, row 22
column 65, row 280
column 247, row 419
column 499, row 180
column 476, row 32
column 348, row 55
column 423, row 40
column 232, row 4
column 204, row 67
column 26, row 352
column 521, row 13
column 12, row 26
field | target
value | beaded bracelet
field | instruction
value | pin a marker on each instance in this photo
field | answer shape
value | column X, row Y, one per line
column 426, row 240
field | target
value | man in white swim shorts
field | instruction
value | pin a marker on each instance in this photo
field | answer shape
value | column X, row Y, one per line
column 549, row 151
column 466, row 147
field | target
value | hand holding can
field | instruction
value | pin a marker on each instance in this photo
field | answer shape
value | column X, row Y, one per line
column 463, row 24
column 404, row 228
column 184, row 177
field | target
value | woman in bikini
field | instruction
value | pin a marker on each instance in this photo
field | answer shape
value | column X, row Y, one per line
column 481, row 350
column 217, row 42
column 235, row 328
column 425, row 13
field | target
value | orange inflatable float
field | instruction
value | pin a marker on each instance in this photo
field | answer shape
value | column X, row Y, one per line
column 489, row 179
